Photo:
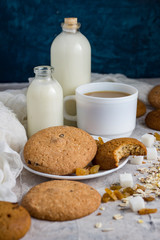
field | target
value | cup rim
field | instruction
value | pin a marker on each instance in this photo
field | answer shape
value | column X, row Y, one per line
column 81, row 93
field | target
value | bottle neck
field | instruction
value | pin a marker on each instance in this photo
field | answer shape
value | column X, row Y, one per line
column 43, row 78
column 70, row 27
column 70, row 30
column 43, row 72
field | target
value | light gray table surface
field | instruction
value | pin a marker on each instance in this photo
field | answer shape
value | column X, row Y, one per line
column 84, row 228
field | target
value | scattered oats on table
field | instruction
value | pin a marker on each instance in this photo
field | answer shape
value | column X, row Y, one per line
column 117, row 216
column 107, row 229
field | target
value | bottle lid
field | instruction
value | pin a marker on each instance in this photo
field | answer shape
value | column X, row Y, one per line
column 71, row 23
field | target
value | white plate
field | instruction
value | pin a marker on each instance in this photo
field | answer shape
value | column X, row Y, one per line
column 73, row 176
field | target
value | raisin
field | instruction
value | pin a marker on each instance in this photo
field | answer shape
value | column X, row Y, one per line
column 82, row 171
column 98, row 214
column 100, row 140
column 149, row 199
column 106, row 198
column 115, row 187
column 157, row 136
column 61, row 135
column 118, row 194
column 128, row 191
column 144, row 211
column 111, row 194
column 94, row 169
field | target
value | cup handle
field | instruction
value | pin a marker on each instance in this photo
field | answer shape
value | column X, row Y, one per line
column 66, row 115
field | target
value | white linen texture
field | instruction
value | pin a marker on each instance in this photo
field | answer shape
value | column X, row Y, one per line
column 12, row 139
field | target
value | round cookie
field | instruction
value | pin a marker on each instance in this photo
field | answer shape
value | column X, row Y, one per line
column 154, row 96
column 141, row 108
column 61, row 200
column 110, row 153
column 15, row 221
column 152, row 120
column 59, row 150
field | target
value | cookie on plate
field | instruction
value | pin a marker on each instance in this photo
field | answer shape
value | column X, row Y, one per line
column 109, row 154
column 61, row 200
column 152, row 120
column 154, row 96
column 15, row 221
column 59, row 150
column 141, row 108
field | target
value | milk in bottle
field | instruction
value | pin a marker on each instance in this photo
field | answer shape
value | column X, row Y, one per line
column 71, row 59
column 44, row 101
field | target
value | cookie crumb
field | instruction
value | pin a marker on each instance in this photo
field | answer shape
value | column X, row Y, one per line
column 102, row 208
column 98, row 214
column 98, row 225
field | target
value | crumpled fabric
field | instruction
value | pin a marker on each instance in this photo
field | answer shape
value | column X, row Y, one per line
column 15, row 99
column 12, row 140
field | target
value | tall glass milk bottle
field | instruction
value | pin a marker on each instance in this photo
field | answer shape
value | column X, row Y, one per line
column 44, row 101
column 71, row 59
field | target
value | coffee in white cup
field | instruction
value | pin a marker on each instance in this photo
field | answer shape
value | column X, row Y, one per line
column 112, row 115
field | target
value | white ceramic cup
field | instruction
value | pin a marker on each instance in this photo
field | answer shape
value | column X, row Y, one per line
column 106, row 117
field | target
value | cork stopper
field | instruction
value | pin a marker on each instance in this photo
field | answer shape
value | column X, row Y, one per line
column 70, row 23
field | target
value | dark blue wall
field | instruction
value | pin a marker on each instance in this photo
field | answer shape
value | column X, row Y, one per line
column 124, row 35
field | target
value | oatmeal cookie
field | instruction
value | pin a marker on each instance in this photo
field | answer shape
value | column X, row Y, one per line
column 154, row 96
column 110, row 153
column 141, row 108
column 61, row 200
column 15, row 221
column 152, row 120
column 59, row 150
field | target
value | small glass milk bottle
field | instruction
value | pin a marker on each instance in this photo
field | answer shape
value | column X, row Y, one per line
column 71, row 58
column 44, row 101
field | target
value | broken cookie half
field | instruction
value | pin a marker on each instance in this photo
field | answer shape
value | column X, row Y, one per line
column 110, row 153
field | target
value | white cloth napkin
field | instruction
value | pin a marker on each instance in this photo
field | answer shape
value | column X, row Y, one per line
column 12, row 139
column 16, row 101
